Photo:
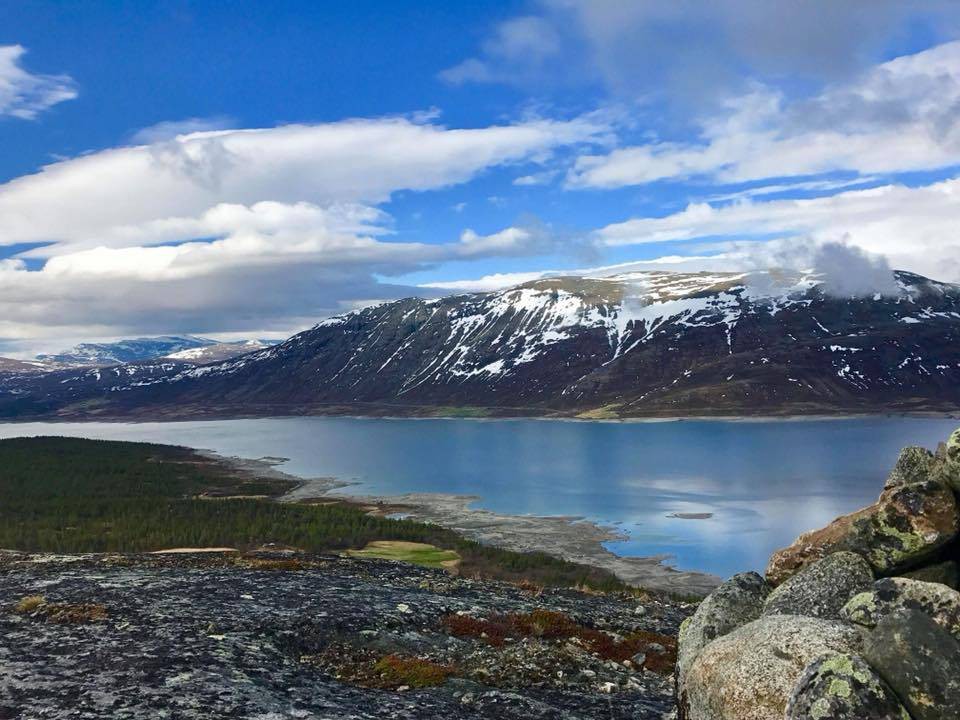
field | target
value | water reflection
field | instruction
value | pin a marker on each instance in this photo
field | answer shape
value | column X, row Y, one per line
column 762, row 482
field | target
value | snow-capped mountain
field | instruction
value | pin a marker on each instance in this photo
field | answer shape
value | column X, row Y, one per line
column 125, row 351
column 217, row 352
column 648, row 343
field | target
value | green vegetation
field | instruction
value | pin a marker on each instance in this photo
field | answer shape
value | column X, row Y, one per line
column 416, row 553
column 395, row 671
column 71, row 495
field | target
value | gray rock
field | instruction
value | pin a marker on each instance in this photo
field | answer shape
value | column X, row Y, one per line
column 906, row 527
column 750, row 673
column 939, row 602
column 823, row 588
column 735, row 602
column 915, row 464
column 950, row 471
column 946, row 573
column 843, row 687
column 920, row 661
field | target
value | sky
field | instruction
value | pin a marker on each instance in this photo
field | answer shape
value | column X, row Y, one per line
column 246, row 169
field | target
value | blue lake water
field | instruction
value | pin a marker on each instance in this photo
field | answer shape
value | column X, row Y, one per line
column 764, row 482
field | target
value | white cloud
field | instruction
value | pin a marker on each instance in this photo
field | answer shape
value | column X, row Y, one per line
column 170, row 129
column 25, row 95
column 243, row 230
column 915, row 228
column 120, row 197
column 901, row 116
column 524, row 42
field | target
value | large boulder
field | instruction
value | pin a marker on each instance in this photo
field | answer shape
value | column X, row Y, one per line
column 920, row 661
column 906, row 526
column 946, row 573
column 915, row 464
column 951, row 461
column 822, row 588
column 843, row 687
column 735, row 602
column 939, row 602
column 750, row 673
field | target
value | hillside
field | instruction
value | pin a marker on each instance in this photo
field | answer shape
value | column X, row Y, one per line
column 643, row 344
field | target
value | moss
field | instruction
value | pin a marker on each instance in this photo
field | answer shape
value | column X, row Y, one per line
column 411, row 552
column 397, row 671
column 29, row 604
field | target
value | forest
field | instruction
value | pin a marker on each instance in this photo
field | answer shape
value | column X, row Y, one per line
column 68, row 495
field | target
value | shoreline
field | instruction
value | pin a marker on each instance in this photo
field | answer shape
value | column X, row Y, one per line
column 575, row 539
column 637, row 419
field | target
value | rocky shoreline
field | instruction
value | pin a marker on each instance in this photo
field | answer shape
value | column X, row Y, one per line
column 857, row 620
column 570, row 538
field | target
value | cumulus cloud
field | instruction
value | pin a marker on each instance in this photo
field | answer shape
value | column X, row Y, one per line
column 232, row 230
column 24, row 94
column 109, row 197
column 900, row 116
column 915, row 228
column 517, row 50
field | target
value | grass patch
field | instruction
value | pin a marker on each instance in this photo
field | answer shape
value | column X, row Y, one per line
column 460, row 412
column 410, row 552
column 37, row 607
column 396, row 671
column 71, row 495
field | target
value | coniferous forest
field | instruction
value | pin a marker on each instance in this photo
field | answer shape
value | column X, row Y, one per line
column 68, row 495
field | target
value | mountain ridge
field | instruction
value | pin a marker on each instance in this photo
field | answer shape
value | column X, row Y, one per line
column 632, row 345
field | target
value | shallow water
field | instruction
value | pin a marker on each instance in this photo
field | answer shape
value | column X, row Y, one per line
column 763, row 482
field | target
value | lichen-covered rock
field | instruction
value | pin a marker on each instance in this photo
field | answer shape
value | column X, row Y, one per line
column 920, row 661
column 750, row 673
column 940, row 603
column 735, row 602
column 823, row 588
column 950, row 470
column 915, row 464
column 946, row 573
column 906, row 526
column 843, row 687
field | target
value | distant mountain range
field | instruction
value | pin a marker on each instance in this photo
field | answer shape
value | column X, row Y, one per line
column 632, row 345
column 124, row 351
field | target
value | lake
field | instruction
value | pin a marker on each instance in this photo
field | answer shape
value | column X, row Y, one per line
column 762, row 482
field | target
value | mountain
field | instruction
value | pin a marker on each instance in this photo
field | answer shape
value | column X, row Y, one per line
column 218, row 352
column 10, row 365
column 633, row 345
column 125, row 351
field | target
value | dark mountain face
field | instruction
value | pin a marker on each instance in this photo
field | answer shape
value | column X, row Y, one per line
column 643, row 344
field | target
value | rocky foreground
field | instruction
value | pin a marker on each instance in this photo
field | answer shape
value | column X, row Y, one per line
column 274, row 635
column 858, row 620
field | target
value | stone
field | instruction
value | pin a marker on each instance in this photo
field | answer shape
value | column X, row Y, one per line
column 939, row 602
column 905, row 527
column 822, row 588
column 950, row 470
column 750, row 673
column 843, row 687
column 946, row 573
column 920, row 661
column 915, row 464
column 735, row 602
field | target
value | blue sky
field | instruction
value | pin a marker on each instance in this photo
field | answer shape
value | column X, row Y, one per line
column 248, row 168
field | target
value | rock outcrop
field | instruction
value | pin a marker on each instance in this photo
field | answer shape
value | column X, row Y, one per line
column 843, row 687
column 823, row 588
column 832, row 642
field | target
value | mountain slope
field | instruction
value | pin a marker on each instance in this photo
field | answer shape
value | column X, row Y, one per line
column 124, row 351
column 651, row 343
column 218, row 352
